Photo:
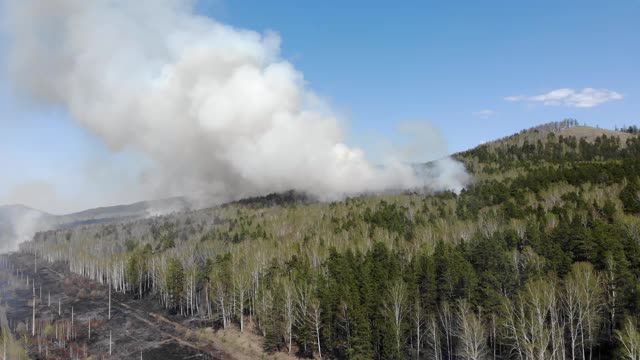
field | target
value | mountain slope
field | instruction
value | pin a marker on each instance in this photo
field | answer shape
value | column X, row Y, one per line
column 590, row 133
column 565, row 128
column 547, row 224
column 136, row 210
column 10, row 212
column 19, row 223
column 550, row 144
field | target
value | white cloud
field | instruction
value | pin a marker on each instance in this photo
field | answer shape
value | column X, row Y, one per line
column 515, row 98
column 484, row 113
column 585, row 98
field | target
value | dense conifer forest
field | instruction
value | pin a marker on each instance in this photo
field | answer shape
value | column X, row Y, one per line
column 538, row 259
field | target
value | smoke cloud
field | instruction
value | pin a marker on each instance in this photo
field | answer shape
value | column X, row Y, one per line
column 17, row 224
column 216, row 109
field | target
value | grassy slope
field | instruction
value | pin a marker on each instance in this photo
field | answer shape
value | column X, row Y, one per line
column 590, row 133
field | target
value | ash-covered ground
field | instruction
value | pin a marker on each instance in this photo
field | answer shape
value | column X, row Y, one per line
column 137, row 329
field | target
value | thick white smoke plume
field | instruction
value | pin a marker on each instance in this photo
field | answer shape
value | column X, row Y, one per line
column 216, row 109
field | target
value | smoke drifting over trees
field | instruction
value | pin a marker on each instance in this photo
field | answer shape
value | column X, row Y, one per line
column 216, row 109
column 17, row 224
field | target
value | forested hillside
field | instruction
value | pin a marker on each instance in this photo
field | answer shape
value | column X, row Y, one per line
column 538, row 259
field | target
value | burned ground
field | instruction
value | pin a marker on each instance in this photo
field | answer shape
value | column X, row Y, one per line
column 137, row 327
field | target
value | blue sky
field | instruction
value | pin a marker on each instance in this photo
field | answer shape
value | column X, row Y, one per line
column 379, row 63
column 446, row 61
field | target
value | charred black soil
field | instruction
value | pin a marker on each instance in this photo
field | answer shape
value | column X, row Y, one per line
column 138, row 328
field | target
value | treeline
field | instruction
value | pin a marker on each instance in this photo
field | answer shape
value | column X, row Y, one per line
column 511, row 193
column 555, row 150
column 633, row 129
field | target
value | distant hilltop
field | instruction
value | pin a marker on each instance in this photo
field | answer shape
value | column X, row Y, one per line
column 19, row 223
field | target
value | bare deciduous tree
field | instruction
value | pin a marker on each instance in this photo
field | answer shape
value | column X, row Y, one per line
column 528, row 327
column 289, row 313
column 470, row 331
column 629, row 337
column 445, row 316
column 395, row 308
column 418, row 319
column 433, row 337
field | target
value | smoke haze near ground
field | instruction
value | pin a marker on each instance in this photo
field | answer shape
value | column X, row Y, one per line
column 18, row 224
column 216, row 109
